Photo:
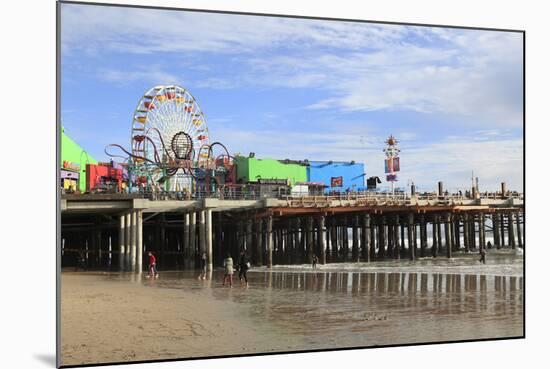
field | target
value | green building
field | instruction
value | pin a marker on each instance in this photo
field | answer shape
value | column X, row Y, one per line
column 252, row 169
column 75, row 157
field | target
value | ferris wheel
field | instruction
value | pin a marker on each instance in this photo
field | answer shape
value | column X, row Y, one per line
column 168, row 131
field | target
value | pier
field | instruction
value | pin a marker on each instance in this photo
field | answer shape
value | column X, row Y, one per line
column 115, row 231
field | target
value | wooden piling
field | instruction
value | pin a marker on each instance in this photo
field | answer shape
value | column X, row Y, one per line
column 321, row 238
column 398, row 245
column 410, row 219
column 269, row 233
column 381, row 237
column 511, row 230
column 448, row 238
column 355, row 239
column 372, row 244
column 434, row 236
column 422, row 236
column 309, row 243
column 345, row 239
column 389, row 237
column 365, row 237
column 496, row 230
column 518, row 223
column 259, row 243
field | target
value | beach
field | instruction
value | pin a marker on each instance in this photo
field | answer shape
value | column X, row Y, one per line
column 112, row 317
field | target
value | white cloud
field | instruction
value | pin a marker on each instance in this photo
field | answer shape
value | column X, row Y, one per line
column 361, row 66
column 153, row 74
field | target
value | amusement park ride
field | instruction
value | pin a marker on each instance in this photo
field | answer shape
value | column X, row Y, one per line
column 170, row 145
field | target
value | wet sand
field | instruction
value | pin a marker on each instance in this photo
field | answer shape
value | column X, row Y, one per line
column 113, row 317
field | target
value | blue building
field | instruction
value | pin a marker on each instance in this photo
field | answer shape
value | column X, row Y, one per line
column 337, row 175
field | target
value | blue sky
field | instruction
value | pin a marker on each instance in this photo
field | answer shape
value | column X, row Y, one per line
column 295, row 88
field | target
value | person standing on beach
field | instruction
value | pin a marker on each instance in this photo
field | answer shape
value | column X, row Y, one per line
column 203, row 266
column 482, row 257
column 314, row 261
column 244, row 264
column 228, row 273
column 152, row 266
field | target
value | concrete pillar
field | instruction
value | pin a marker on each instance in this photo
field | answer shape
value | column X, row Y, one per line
column 192, row 238
column 186, row 252
column 448, row 238
column 139, row 241
column 121, row 242
column 321, row 237
column 269, row 232
column 511, row 230
column 410, row 220
column 127, row 240
column 202, row 232
column 133, row 239
column 208, row 239
column 355, row 239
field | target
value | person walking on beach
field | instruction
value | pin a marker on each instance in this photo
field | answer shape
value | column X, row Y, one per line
column 244, row 264
column 314, row 261
column 482, row 258
column 203, row 266
column 152, row 266
column 228, row 272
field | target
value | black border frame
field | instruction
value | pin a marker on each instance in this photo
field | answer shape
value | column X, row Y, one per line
column 58, row 191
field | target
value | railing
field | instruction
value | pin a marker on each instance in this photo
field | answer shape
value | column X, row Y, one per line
column 248, row 192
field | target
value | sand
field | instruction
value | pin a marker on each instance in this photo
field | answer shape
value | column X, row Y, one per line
column 118, row 317
column 111, row 320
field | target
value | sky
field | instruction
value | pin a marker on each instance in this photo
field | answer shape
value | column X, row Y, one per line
column 306, row 89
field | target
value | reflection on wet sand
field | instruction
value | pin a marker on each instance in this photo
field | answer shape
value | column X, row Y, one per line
column 362, row 309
